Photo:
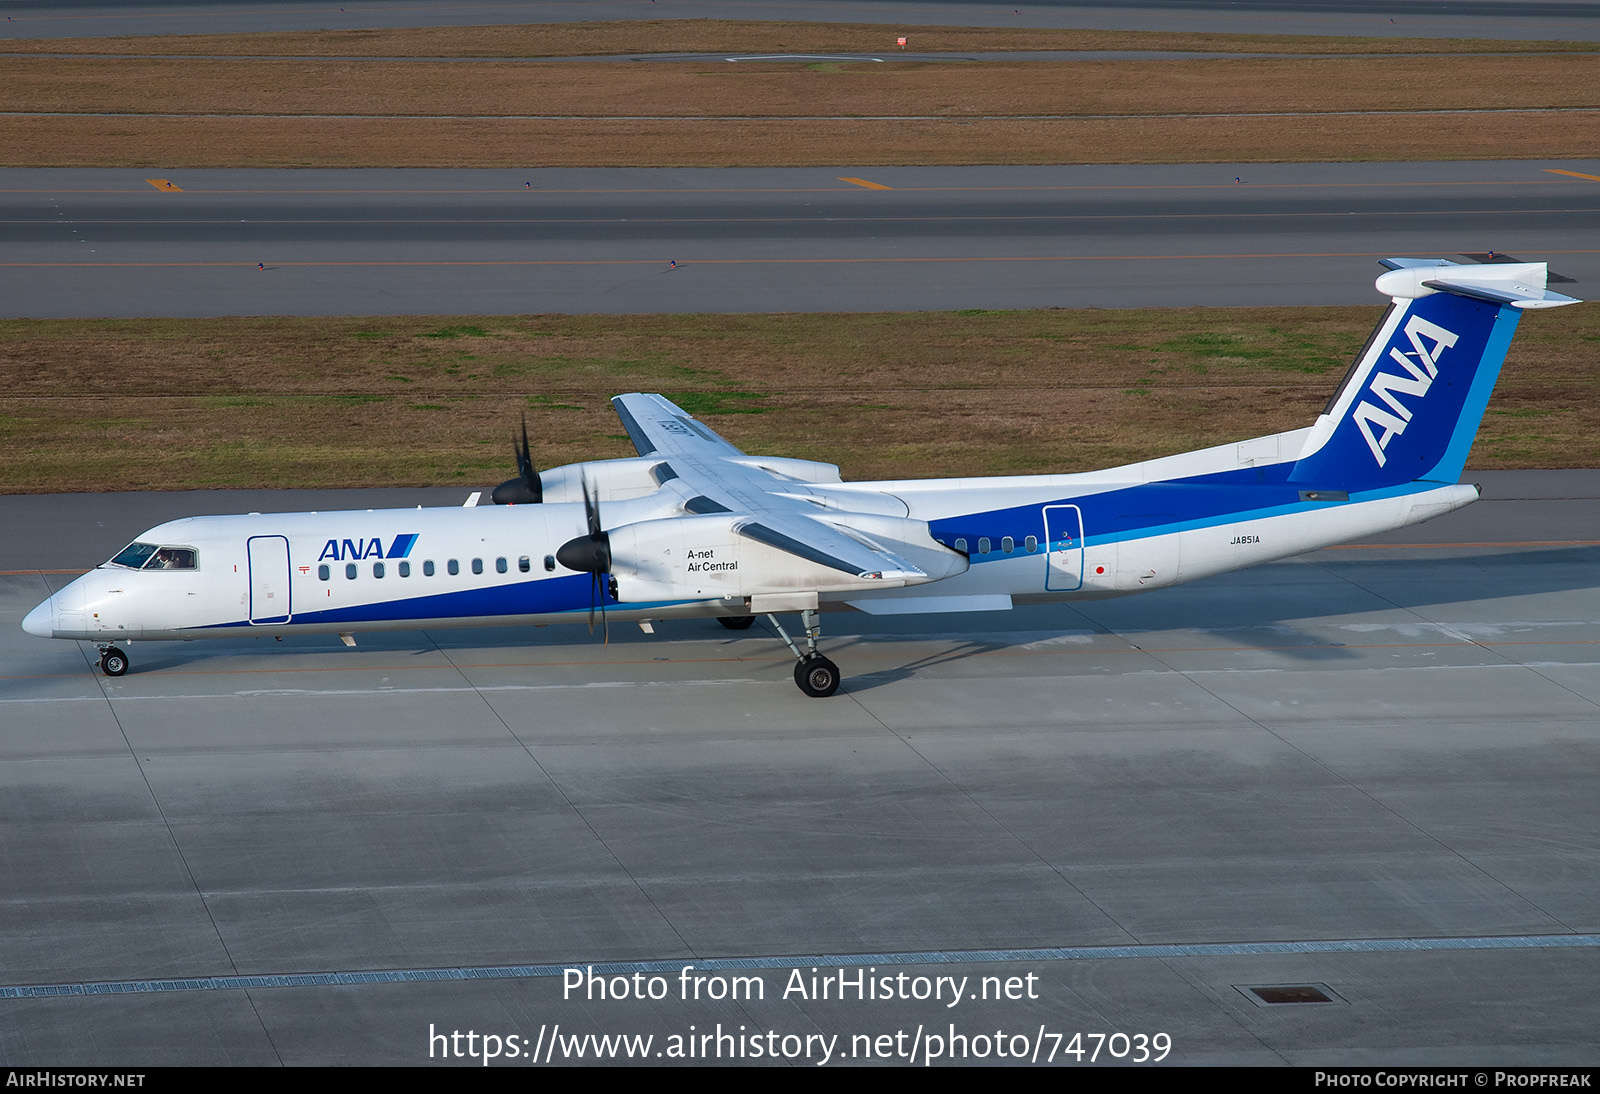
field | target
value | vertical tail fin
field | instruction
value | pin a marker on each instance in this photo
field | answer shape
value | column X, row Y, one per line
column 1411, row 404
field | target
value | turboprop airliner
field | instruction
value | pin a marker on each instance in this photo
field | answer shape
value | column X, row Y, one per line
column 692, row 526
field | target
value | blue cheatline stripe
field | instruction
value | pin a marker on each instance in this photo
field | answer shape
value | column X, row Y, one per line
column 831, row 960
column 1219, row 504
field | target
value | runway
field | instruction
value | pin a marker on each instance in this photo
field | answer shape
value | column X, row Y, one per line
column 1572, row 20
column 1368, row 772
column 850, row 238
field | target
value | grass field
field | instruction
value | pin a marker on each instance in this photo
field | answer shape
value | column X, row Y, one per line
column 161, row 404
column 310, row 111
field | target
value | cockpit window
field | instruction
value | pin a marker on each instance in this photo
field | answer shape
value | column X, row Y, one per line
column 172, row 558
column 147, row 556
column 134, row 555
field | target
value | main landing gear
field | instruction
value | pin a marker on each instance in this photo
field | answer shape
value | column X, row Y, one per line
column 113, row 662
column 814, row 674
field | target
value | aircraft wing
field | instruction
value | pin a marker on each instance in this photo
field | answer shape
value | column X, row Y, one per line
column 658, row 427
column 712, row 477
column 831, row 544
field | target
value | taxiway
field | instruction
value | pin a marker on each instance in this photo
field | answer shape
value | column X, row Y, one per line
column 391, row 242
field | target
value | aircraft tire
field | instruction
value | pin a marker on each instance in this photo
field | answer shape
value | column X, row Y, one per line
column 736, row 622
column 817, row 676
column 113, row 662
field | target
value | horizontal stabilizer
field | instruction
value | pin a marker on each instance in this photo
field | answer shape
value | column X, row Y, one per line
column 1516, row 284
column 1518, row 296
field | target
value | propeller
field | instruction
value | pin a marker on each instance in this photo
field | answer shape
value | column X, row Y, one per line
column 591, row 554
column 525, row 489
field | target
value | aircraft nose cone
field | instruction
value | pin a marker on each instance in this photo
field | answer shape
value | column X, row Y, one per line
column 42, row 620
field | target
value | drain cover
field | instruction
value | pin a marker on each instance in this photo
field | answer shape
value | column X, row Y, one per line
column 1272, row 994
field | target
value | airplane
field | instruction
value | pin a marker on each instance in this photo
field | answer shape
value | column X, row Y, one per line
column 693, row 527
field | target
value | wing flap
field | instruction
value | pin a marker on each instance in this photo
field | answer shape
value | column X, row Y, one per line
column 827, row 547
column 865, row 546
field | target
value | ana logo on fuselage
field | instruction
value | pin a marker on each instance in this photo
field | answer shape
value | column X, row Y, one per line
column 354, row 550
column 1386, row 386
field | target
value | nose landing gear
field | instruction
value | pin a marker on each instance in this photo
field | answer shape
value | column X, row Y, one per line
column 113, row 662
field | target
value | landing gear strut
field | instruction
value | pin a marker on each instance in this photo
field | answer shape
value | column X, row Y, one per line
column 113, row 662
column 814, row 674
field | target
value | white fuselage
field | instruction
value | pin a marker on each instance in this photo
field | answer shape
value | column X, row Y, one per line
column 1031, row 540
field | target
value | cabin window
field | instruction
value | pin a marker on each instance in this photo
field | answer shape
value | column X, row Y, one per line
column 453, row 567
column 377, row 569
column 500, row 566
column 1031, row 543
column 477, row 565
column 961, row 544
column 1008, row 545
column 549, row 564
column 405, row 569
column 350, row 570
column 983, row 545
column 323, row 573
column 427, row 568
column 523, row 564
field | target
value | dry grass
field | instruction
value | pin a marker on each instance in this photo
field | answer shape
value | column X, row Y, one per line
column 957, row 90
column 980, row 112
column 172, row 143
column 740, row 36
column 323, row 402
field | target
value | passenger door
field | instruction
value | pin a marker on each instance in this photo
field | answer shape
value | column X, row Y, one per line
column 1063, row 545
column 269, row 580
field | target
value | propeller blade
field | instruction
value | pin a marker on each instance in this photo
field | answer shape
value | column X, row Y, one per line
column 597, row 594
column 525, row 489
column 525, row 455
column 591, row 511
column 591, row 554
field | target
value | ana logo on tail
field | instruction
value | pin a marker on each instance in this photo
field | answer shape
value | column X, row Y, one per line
column 1386, row 385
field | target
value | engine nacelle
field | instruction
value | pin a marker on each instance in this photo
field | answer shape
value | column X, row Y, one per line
column 614, row 480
